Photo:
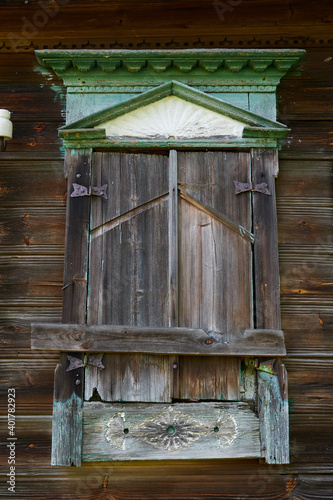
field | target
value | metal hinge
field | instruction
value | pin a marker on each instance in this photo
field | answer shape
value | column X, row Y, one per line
column 242, row 187
column 91, row 191
column 75, row 363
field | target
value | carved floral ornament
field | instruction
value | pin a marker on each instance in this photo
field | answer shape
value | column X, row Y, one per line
column 171, row 430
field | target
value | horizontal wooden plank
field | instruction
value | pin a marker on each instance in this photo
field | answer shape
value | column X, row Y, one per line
column 36, row 136
column 308, row 330
column 32, row 183
column 309, row 276
column 33, row 384
column 163, row 432
column 156, row 19
column 305, row 179
column 312, row 138
column 110, row 338
column 100, row 482
column 305, row 221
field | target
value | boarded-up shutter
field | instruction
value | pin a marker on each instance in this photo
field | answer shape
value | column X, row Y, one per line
column 145, row 272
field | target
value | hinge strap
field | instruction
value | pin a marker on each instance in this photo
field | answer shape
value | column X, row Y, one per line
column 91, row 191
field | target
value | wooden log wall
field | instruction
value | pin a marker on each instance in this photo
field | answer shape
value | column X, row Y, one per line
column 32, row 207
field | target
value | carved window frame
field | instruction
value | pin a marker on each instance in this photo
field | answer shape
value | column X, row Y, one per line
column 83, row 136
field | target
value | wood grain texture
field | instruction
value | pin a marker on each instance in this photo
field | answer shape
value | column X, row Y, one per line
column 215, row 292
column 173, row 239
column 303, row 96
column 128, row 279
column 104, row 437
column 266, row 263
column 68, row 386
column 272, row 388
column 273, row 415
column 177, row 340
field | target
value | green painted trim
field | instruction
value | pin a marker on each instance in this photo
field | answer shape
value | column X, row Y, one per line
column 105, row 65
column 142, row 144
column 82, row 134
column 274, row 133
column 183, row 92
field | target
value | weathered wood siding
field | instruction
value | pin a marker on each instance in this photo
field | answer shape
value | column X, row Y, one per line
column 33, row 203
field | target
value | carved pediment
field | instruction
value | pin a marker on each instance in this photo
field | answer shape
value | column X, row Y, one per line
column 173, row 111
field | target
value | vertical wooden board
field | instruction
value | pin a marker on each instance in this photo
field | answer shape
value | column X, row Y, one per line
column 266, row 259
column 274, row 415
column 215, row 274
column 78, row 166
column 215, row 266
column 173, row 239
column 272, row 388
column 210, row 253
column 128, row 278
column 68, row 386
column 209, row 176
column 130, row 377
column 202, row 377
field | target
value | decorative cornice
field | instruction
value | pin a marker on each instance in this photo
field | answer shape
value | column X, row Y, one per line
column 85, row 68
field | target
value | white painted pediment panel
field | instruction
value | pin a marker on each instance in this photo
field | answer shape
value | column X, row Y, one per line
column 172, row 117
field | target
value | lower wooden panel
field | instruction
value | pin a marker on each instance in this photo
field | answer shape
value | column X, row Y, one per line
column 113, row 432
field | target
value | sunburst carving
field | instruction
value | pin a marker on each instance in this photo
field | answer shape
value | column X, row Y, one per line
column 171, row 430
column 115, row 431
column 172, row 118
column 225, row 429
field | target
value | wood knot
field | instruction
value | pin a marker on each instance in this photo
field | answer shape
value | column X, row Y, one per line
column 208, row 341
column 86, row 345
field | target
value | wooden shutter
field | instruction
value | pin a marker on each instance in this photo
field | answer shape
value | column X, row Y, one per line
column 132, row 257
column 179, row 297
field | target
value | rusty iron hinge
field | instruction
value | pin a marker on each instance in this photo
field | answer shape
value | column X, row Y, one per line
column 242, row 187
column 267, row 366
column 264, row 366
column 75, row 363
column 91, row 191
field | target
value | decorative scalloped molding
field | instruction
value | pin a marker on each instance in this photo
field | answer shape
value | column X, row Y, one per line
column 137, row 89
column 148, row 67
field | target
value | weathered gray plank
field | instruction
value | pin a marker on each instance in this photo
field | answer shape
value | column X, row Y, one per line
column 114, row 432
column 272, row 387
column 133, row 179
column 208, row 378
column 173, row 239
column 237, row 228
column 215, row 280
column 68, row 386
column 128, row 279
column 266, row 259
column 130, row 377
column 215, row 277
column 273, row 414
column 178, row 340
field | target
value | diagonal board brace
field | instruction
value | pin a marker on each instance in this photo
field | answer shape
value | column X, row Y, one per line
column 237, row 228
